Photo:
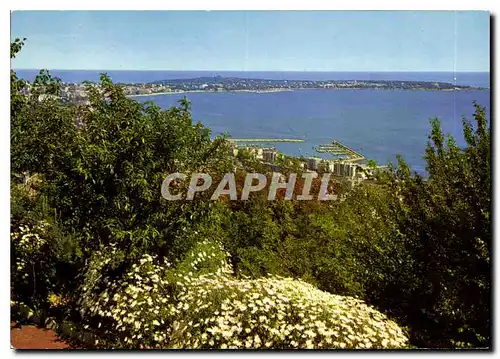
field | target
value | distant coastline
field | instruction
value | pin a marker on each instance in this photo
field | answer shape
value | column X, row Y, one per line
column 216, row 84
column 478, row 79
column 292, row 90
column 75, row 92
column 205, row 91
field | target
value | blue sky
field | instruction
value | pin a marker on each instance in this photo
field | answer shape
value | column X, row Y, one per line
column 253, row 40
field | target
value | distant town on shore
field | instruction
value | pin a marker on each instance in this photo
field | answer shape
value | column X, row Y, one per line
column 75, row 92
column 218, row 83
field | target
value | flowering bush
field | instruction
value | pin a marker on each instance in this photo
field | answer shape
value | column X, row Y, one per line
column 56, row 301
column 43, row 253
column 31, row 263
column 28, row 242
column 157, row 306
column 277, row 312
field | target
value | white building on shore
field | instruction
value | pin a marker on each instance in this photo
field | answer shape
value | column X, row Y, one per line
column 313, row 163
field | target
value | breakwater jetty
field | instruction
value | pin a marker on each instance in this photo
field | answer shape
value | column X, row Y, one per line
column 340, row 150
column 248, row 140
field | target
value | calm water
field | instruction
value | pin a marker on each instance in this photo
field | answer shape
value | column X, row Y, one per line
column 379, row 124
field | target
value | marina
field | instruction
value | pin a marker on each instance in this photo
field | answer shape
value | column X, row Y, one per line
column 345, row 161
column 341, row 151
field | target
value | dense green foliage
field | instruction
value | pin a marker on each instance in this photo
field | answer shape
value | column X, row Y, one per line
column 446, row 224
column 88, row 221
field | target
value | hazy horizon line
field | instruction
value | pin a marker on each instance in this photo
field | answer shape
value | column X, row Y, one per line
column 301, row 71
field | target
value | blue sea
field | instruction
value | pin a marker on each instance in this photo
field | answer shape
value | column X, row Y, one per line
column 379, row 124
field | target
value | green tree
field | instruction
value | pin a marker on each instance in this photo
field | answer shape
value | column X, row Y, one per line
column 445, row 222
column 372, row 164
column 104, row 177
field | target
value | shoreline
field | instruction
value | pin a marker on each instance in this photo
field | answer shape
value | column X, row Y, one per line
column 203, row 91
column 297, row 89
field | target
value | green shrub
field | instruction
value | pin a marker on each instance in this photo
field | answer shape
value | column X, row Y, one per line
column 42, row 254
column 445, row 222
column 280, row 313
column 31, row 269
column 156, row 306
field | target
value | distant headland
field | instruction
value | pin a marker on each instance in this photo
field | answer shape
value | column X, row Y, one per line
column 75, row 92
column 237, row 84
